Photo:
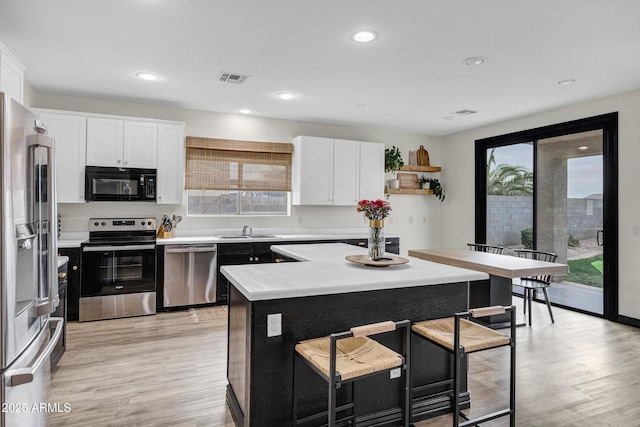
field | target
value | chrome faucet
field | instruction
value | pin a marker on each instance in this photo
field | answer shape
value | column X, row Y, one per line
column 244, row 230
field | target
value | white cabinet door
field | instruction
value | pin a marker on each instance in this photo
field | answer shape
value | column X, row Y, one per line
column 70, row 133
column 140, row 145
column 336, row 172
column 11, row 75
column 171, row 158
column 346, row 172
column 105, row 142
column 371, row 170
column 312, row 171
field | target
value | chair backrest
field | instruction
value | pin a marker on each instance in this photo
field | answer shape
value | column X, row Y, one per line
column 539, row 256
column 481, row 247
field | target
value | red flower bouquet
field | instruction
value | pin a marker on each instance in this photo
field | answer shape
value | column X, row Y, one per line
column 374, row 209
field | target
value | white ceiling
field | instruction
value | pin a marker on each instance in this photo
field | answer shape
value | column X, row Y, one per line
column 408, row 80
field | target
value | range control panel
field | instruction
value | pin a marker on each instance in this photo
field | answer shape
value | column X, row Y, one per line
column 122, row 224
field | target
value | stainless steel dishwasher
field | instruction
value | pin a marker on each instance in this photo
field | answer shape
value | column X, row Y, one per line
column 189, row 275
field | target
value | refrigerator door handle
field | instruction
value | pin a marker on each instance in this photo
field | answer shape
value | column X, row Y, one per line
column 21, row 376
column 48, row 305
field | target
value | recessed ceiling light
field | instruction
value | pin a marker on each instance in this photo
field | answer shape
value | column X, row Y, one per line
column 245, row 111
column 358, row 106
column 448, row 117
column 566, row 82
column 286, row 95
column 583, row 148
column 476, row 60
column 364, row 36
column 147, row 76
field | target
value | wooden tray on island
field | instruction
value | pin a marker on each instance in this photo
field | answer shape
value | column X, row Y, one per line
column 385, row 262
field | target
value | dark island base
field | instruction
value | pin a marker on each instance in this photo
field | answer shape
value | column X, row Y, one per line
column 260, row 369
column 486, row 293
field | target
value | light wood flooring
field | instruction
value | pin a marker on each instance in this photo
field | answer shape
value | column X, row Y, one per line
column 166, row 370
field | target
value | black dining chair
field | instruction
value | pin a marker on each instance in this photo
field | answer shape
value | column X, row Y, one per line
column 481, row 247
column 532, row 284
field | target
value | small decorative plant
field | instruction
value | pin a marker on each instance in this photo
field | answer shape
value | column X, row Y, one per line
column 392, row 159
column 434, row 184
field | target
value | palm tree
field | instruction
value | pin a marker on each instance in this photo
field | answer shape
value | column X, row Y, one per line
column 508, row 180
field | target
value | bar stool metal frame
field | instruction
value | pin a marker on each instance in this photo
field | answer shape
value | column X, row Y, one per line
column 481, row 247
column 458, row 352
column 335, row 381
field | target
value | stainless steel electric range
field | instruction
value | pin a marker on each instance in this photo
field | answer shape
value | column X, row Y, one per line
column 118, row 269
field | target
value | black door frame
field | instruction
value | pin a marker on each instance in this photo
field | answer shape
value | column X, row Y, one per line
column 608, row 123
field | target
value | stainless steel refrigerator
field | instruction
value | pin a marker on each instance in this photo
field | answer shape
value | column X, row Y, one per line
column 28, row 257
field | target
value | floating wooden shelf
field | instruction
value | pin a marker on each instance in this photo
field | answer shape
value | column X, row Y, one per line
column 408, row 191
column 421, row 168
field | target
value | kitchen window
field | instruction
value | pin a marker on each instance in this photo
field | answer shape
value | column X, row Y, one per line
column 229, row 177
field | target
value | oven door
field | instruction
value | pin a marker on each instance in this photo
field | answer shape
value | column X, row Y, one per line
column 118, row 269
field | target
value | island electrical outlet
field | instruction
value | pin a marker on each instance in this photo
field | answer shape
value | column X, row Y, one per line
column 274, row 325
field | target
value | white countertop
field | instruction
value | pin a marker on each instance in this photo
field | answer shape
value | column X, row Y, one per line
column 194, row 237
column 62, row 260
column 72, row 239
column 325, row 271
column 182, row 240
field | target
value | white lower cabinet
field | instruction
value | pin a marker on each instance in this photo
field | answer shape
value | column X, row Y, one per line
column 336, row 172
column 70, row 134
column 170, row 164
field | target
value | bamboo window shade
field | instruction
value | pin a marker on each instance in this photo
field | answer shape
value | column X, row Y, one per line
column 225, row 164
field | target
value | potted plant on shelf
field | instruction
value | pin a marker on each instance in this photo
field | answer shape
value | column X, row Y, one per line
column 392, row 163
column 432, row 184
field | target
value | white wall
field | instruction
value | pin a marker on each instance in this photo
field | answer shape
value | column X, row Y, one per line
column 458, row 171
column 425, row 210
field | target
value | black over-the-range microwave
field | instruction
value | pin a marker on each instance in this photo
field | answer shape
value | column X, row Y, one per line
column 108, row 184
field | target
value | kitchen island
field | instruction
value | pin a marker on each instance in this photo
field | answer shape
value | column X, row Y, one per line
column 274, row 306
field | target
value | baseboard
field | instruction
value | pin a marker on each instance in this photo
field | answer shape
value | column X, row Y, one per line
column 629, row 321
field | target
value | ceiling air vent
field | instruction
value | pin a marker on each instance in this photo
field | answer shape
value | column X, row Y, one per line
column 232, row 78
column 465, row 112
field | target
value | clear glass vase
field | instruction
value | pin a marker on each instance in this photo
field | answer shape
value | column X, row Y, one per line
column 376, row 238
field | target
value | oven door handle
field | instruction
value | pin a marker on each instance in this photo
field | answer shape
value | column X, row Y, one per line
column 117, row 248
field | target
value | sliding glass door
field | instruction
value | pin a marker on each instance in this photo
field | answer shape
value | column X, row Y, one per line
column 554, row 189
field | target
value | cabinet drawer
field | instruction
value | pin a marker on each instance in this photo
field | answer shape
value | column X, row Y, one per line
column 236, row 248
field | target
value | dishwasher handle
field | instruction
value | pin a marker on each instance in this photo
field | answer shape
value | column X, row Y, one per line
column 191, row 249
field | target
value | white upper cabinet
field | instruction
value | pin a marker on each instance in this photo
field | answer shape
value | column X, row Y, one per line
column 371, row 182
column 122, row 143
column 140, row 145
column 11, row 75
column 70, row 134
column 336, row 172
column 170, row 183
column 346, row 172
column 312, row 171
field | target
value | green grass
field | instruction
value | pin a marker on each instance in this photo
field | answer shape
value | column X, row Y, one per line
column 585, row 271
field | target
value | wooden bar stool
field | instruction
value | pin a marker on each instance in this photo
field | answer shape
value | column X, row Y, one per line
column 348, row 356
column 460, row 336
